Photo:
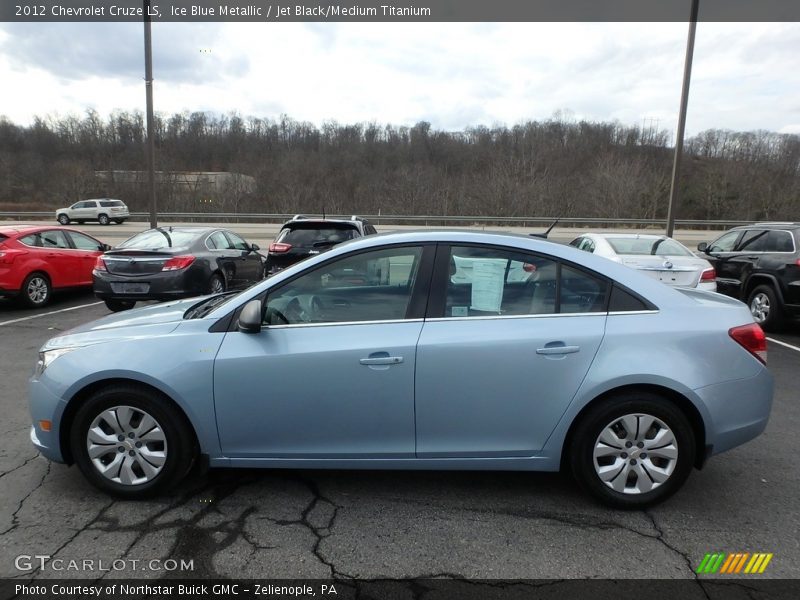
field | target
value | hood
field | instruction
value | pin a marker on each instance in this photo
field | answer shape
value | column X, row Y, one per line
column 157, row 319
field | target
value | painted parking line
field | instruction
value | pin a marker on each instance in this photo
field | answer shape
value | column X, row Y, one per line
column 52, row 312
column 780, row 343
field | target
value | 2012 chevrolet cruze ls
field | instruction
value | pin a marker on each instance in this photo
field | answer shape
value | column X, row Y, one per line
column 378, row 355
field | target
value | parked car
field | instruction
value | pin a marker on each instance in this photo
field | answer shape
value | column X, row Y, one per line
column 760, row 264
column 658, row 256
column 175, row 262
column 593, row 366
column 102, row 210
column 304, row 236
column 35, row 261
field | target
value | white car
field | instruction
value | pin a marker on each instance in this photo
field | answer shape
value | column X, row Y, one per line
column 659, row 256
column 102, row 210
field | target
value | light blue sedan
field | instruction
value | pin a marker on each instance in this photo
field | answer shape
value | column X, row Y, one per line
column 383, row 353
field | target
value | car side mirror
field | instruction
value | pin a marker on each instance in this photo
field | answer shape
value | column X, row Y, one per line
column 250, row 317
column 104, row 247
column 702, row 247
column 255, row 247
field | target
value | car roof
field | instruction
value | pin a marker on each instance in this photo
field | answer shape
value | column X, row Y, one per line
column 769, row 225
column 302, row 222
column 10, row 230
column 630, row 236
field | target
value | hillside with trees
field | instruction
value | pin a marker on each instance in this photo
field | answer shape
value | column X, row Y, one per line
column 533, row 169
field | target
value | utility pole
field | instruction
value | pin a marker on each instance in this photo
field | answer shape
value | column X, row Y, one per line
column 687, row 76
column 148, row 83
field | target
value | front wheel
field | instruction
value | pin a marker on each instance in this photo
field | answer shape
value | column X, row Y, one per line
column 633, row 450
column 36, row 290
column 63, row 219
column 764, row 307
column 103, row 219
column 118, row 305
column 131, row 442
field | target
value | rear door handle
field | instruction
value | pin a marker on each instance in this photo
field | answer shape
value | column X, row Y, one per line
column 549, row 350
column 382, row 360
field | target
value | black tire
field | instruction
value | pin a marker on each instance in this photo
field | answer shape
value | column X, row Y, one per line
column 178, row 446
column 118, row 305
column 216, row 284
column 765, row 308
column 103, row 219
column 63, row 219
column 36, row 290
column 81, row 222
column 586, row 436
column 119, row 221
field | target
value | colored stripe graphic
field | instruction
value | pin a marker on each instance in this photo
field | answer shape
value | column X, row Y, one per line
column 723, row 563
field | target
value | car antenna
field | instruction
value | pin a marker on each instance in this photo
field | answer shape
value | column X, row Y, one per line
column 546, row 233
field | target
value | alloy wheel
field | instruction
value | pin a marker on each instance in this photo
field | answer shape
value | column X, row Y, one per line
column 635, row 454
column 126, row 445
column 759, row 307
column 37, row 290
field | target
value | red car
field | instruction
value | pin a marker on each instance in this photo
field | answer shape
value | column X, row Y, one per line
column 35, row 260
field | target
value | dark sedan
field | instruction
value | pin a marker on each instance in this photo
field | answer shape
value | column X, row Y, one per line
column 175, row 262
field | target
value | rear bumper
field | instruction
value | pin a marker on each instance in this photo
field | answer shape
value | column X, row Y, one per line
column 738, row 410
column 159, row 286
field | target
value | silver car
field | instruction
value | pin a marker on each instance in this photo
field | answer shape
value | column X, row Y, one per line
column 658, row 256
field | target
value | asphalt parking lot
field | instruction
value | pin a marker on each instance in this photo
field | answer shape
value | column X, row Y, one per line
column 304, row 524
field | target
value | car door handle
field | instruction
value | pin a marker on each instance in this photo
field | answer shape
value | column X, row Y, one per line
column 562, row 349
column 381, row 360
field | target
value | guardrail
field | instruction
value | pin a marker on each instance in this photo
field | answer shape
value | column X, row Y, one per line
column 443, row 220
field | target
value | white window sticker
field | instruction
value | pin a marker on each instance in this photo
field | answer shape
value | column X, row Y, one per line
column 487, row 285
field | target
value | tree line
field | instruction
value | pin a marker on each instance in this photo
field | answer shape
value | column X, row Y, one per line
column 555, row 167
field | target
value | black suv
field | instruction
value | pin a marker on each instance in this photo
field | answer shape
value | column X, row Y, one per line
column 304, row 236
column 760, row 265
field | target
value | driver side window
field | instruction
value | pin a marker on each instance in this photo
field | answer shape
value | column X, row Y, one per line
column 725, row 243
column 370, row 286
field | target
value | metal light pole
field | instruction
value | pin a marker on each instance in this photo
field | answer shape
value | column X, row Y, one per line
column 148, row 83
column 687, row 75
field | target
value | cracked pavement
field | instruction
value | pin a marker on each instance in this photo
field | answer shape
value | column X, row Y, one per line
column 368, row 524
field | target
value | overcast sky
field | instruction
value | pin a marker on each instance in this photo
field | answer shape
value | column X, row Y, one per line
column 454, row 75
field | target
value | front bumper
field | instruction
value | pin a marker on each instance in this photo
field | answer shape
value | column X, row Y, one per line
column 44, row 405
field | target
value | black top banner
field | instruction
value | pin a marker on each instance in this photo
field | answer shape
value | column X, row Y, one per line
column 276, row 11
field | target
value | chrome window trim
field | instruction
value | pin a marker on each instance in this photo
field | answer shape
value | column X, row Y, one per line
column 504, row 317
column 633, row 312
column 340, row 323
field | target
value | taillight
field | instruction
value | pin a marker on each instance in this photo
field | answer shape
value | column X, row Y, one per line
column 100, row 264
column 279, row 247
column 751, row 337
column 709, row 275
column 177, row 263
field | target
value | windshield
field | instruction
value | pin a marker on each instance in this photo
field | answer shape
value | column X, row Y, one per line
column 155, row 239
column 648, row 246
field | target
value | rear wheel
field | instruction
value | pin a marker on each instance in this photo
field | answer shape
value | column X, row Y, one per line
column 764, row 307
column 36, row 290
column 118, row 305
column 633, row 450
column 216, row 285
column 131, row 442
column 119, row 221
column 103, row 219
column 63, row 219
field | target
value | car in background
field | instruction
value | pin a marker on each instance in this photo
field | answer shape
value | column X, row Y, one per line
column 592, row 367
column 304, row 236
column 35, row 261
column 658, row 256
column 175, row 262
column 102, row 210
column 759, row 264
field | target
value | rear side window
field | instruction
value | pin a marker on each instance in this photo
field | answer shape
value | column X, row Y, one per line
column 32, row 240
column 109, row 203
column 623, row 301
column 779, row 241
column 305, row 237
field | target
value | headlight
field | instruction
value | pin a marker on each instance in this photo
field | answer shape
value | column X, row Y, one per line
column 48, row 356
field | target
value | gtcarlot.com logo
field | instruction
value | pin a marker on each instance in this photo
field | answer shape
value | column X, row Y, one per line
column 734, row 563
column 44, row 562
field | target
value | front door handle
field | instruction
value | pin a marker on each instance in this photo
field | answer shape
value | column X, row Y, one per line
column 562, row 349
column 381, row 360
